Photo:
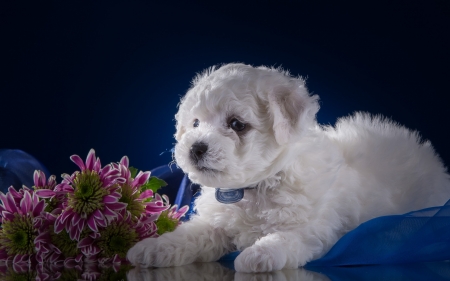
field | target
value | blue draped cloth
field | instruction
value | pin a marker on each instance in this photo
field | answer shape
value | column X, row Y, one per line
column 17, row 168
column 418, row 236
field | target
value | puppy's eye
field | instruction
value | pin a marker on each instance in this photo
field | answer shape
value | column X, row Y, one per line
column 196, row 123
column 236, row 125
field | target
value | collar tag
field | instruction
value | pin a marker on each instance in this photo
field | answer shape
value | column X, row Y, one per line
column 230, row 196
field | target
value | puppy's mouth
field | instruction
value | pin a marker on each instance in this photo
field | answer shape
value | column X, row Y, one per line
column 202, row 157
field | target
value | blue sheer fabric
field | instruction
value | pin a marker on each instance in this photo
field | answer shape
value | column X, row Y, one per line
column 419, row 236
column 17, row 168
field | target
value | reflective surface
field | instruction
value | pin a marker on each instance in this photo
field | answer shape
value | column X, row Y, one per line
column 218, row 271
column 223, row 272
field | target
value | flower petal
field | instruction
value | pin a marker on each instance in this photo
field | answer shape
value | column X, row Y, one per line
column 42, row 179
column 66, row 188
column 77, row 160
column 10, row 204
column 106, row 170
column 87, row 241
column 36, row 178
column 14, row 192
column 67, row 214
column 39, row 208
column 74, row 233
column 90, row 160
column 110, row 199
column 181, row 212
column 51, row 181
column 45, row 193
column 3, row 198
column 25, row 203
column 141, row 178
column 42, row 237
column 58, row 227
column 7, row 215
column 155, row 209
column 125, row 161
column 108, row 212
column 117, row 206
column 150, row 218
column 75, row 219
column 146, row 194
column 81, row 225
column 99, row 218
column 91, row 223
column 97, row 165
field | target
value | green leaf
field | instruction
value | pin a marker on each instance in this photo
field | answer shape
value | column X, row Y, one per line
column 133, row 171
column 154, row 184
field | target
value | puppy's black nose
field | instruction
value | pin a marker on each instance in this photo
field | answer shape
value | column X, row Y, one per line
column 198, row 150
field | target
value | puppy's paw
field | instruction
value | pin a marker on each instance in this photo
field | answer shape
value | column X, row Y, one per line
column 143, row 253
column 260, row 259
column 159, row 252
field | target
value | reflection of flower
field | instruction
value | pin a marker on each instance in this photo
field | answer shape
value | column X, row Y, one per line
column 53, row 272
column 92, row 197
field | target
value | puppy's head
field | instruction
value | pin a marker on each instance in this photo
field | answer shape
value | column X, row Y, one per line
column 235, row 123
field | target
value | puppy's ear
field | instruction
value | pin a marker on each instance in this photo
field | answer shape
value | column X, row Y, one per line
column 293, row 111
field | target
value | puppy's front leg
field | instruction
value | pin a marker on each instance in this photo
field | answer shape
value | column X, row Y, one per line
column 272, row 252
column 192, row 241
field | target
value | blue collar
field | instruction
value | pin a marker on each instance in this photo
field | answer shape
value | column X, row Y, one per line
column 230, row 196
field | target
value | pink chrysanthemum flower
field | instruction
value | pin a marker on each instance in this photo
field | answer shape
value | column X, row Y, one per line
column 55, row 197
column 24, row 227
column 93, row 197
column 111, row 243
column 40, row 181
column 18, row 195
column 169, row 219
column 138, row 201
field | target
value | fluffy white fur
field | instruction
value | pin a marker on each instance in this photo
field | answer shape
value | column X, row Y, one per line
column 313, row 183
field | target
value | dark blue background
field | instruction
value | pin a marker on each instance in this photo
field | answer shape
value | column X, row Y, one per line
column 108, row 75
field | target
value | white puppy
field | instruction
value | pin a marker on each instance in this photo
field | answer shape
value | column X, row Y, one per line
column 240, row 126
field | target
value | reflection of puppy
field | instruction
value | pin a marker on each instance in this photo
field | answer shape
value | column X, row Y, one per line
column 240, row 126
column 195, row 271
column 215, row 271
